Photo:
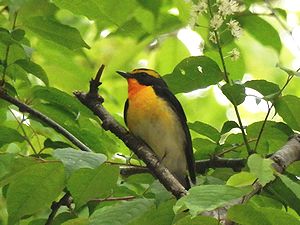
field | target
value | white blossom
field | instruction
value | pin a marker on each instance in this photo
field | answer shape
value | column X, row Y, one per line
column 234, row 54
column 201, row 7
column 235, row 28
column 212, row 37
column 228, row 7
column 216, row 22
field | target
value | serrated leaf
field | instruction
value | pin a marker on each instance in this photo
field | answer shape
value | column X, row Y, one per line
column 199, row 220
column 52, row 30
column 47, row 181
column 193, row 73
column 288, row 107
column 9, row 135
column 268, row 36
column 208, row 197
column 228, row 126
column 206, row 130
column 261, row 168
column 262, row 86
column 75, row 159
column 34, row 69
column 130, row 211
column 250, row 215
column 86, row 184
column 235, row 93
column 241, row 179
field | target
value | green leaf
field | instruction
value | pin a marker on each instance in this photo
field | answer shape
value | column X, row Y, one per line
column 285, row 190
column 208, row 197
column 206, row 130
column 241, row 179
column 37, row 187
column 263, row 201
column 130, row 211
column 193, row 73
column 268, row 36
column 17, row 168
column 18, row 34
column 161, row 214
column 34, row 69
column 235, row 93
column 6, row 38
column 262, row 86
column 86, row 184
column 288, row 107
column 228, row 126
column 75, row 159
column 60, row 98
column 204, row 148
column 9, row 135
column 261, row 168
column 291, row 185
column 6, row 160
column 250, row 215
column 54, row 31
column 274, row 136
column 77, row 221
column 199, row 220
column 113, row 11
column 48, row 143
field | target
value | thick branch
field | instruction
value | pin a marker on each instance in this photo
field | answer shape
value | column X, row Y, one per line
column 51, row 123
column 94, row 103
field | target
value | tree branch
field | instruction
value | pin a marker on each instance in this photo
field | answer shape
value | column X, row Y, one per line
column 65, row 200
column 94, row 102
column 201, row 166
column 282, row 158
column 51, row 123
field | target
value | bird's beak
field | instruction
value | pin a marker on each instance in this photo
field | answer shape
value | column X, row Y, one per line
column 124, row 74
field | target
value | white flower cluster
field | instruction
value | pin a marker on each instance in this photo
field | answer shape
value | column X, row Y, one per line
column 234, row 54
column 197, row 10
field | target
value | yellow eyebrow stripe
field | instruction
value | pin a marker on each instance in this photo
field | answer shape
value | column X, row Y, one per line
column 147, row 71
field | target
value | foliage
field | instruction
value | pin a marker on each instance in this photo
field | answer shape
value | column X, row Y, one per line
column 48, row 49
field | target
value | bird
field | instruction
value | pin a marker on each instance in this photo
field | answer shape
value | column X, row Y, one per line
column 153, row 114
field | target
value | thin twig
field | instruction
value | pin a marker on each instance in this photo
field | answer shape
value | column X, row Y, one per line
column 5, row 63
column 230, row 83
column 24, row 132
column 269, row 111
column 111, row 199
column 51, row 123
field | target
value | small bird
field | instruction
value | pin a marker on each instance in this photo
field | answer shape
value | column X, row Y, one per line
column 153, row 114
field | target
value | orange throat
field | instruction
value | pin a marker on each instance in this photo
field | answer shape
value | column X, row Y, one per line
column 134, row 87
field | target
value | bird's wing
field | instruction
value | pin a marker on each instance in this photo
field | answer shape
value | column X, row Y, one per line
column 125, row 111
column 166, row 94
